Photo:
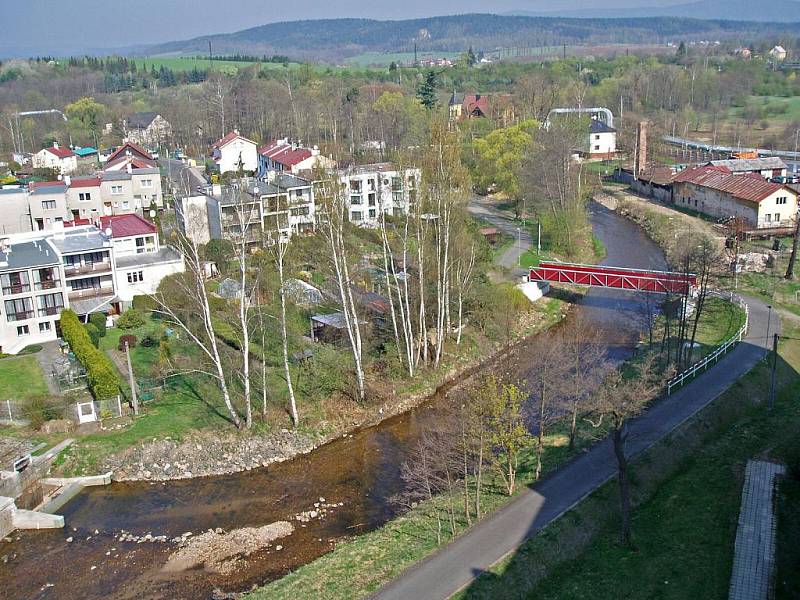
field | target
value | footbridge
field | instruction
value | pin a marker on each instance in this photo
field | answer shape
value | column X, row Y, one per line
column 640, row 280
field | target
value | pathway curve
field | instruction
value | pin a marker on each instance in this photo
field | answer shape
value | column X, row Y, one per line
column 485, row 208
column 455, row 565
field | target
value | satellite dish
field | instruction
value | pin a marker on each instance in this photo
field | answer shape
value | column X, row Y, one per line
column 152, row 214
column 108, row 231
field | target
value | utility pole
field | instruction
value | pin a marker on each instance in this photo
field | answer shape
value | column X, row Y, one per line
column 519, row 247
column 774, row 369
column 132, row 381
column 539, row 239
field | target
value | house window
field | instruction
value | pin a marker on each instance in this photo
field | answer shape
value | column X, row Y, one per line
column 15, row 283
column 44, row 327
column 777, row 217
column 597, row 147
column 126, row 204
column 371, row 213
column 48, row 204
column 371, row 199
column 781, row 200
column 135, row 276
column 116, row 190
column 147, row 183
column 23, row 330
column 18, row 310
column 50, row 304
column 84, row 197
column 356, row 215
column 768, row 218
column 597, row 137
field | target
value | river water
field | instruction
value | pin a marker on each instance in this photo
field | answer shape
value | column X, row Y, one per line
column 361, row 471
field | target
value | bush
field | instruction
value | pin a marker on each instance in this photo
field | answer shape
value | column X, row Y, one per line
column 144, row 304
column 94, row 334
column 100, row 373
column 40, row 409
column 150, row 340
column 128, row 339
column 130, row 319
column 99, row 321
column 328, row 372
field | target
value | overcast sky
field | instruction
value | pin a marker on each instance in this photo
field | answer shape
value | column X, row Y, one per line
column 62, row 25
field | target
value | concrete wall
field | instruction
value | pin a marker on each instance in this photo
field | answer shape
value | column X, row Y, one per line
column 230, row 153
column 16, row 215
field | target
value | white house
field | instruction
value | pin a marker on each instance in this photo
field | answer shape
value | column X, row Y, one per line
column 768, row 167
column 283, row 155
column 233, row 150
column 55, row 157
column 602, row 140
column 717, row 192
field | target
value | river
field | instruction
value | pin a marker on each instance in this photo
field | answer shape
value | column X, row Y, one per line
column 362, row 471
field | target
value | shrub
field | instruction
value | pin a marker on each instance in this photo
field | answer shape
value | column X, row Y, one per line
column 150, row 340
column 99, row 321
column 100, row 373
column 94, row 334
column 40, row 409
column 130, row 319
column 128, row 339
column 144, row 304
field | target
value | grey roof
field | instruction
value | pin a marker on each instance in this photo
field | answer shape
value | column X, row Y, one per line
column 141, row 120
column 370, row 168
column 164, row 255
column 90, row 305
column 49, row 189
column 335, row 320
column 598, row 126
column 25, row 255
column 750, row 164
column 287, row 181
column 80, row 239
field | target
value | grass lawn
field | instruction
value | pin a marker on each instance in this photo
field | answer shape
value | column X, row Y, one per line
column 21, row 378
column 684, row 532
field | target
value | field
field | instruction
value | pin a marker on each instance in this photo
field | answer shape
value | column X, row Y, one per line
column 187, row 63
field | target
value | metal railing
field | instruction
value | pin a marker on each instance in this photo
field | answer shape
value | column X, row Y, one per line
column 721, row 350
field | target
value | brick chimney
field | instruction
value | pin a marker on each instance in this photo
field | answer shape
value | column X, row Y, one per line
column 640, row 160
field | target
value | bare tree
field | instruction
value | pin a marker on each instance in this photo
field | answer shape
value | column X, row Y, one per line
column 619, row 400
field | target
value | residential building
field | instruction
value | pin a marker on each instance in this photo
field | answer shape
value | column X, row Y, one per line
column 129, row 155
column 55, row 157
column 32, row 293
column 88, row 267
column 15, row 212
column 132, row 190
column 47, row 202
column 602, row 140
column 766, row 167
column 719, row 193
column 285, row 156
column 87, row 156
column 498, row 107
column 147, row 129
column 378, row 188
column 233, row 152
column 778, row 53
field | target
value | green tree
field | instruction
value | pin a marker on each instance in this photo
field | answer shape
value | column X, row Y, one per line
column 426, row 90
column 498, row 157
column 84, row 117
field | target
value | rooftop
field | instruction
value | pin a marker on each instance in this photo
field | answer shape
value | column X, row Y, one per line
column 165, row 255
column 141, row 120
column 60, row 152
column 79, row 239
column 24, row 255
column 121, row 225
column 750, row 164
column 84, row 152
column 598, row 126
column 752, row 188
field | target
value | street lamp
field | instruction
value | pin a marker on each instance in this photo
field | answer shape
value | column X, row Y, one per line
column 769, row 316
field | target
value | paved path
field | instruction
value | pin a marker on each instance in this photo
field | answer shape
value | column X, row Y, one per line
column 485, row 209
column 455, row 565
column 754, row 558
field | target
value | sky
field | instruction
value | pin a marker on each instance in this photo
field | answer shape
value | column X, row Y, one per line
column 62, row 26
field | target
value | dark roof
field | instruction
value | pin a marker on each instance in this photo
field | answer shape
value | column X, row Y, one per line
column 133, row 149
column 141, row 120
column 24, row 255
column 164, row 255
column 598, row 126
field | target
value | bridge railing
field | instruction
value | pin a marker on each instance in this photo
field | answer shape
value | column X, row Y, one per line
column 723, row 349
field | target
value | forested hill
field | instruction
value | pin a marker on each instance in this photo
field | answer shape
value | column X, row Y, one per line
column 745, row 10
column 339, row 38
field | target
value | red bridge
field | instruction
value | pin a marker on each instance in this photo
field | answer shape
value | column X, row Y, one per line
column 663, row 282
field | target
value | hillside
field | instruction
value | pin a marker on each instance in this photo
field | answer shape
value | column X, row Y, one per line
column 778, row 11
column 336, row 39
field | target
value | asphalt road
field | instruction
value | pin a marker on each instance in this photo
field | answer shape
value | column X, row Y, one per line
column 455, row 565
column 483, row 208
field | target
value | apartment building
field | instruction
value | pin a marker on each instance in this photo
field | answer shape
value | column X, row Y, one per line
column 379, row 188
column 88, row 267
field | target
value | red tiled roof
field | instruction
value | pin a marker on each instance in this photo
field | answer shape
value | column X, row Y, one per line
column 84, row 183
column 284, row 153
column 135, row 149
column 136, row 163
column 121, row 225
column 60, row 152
column 473, row 102
column 40, row 184
column 228, row 139
column 743, row 187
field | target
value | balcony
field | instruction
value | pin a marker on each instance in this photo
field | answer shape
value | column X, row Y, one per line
column 47, row 285
column 90, row 293
column 19, row 316
column 19, row 288
column 49, row 311
column 89, row 268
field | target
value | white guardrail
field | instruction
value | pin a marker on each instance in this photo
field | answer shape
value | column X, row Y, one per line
column 703, row 364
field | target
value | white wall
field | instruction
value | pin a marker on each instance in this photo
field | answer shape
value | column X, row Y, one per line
column 229, row 156
column 603, row 143
column 151, row 277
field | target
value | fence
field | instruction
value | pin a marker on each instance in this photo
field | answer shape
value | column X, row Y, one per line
column 703, row 364
column 13, row 412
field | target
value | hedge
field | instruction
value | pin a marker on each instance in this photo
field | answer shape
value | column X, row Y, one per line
column 99, row 321
column 100, row 372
